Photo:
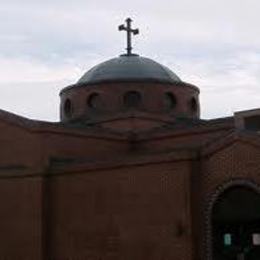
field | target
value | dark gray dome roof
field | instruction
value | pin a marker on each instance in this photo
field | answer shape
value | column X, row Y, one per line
column 129, row 68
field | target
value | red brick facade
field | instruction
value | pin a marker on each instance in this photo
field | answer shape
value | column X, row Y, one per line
column 127, row 185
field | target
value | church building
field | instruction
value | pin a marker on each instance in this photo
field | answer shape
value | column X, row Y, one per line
column 131, row 172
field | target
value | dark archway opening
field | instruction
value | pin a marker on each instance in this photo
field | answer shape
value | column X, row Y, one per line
column 94, row 101
column 170, row 100
column 68, row 108
column 132, row 99
column 193, row 105
column 236, row 225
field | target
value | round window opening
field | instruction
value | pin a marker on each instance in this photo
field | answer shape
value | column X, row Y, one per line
column 193, row 105
column 170, row 100
column 94, row 101
column 68, row 108
column 132, row 99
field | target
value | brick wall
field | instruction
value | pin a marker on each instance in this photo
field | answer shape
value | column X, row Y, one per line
column 235, row 164
column 20, row 214
column 129, row 213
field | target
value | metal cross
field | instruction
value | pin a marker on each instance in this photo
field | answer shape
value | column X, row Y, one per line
column 129, row 31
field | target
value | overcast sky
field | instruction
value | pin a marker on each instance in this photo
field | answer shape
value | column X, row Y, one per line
column 46, row 45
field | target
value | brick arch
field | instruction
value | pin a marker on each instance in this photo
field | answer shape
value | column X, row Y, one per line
column 210, row 202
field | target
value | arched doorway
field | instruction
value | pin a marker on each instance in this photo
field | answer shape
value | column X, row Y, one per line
column 236, row 225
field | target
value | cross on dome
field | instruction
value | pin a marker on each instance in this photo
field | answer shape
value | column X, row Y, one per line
column 130, row 31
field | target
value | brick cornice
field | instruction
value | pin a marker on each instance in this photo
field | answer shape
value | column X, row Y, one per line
column 232, row 137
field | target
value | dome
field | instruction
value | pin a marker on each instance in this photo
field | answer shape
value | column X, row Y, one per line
column 129, row 68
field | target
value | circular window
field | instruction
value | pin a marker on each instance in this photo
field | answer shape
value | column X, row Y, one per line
column 170, row 100
column 193, row 105
column 68, row 108
column 132, row 99
column 94, row 101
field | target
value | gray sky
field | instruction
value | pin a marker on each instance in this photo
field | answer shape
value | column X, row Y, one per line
column 46, row 45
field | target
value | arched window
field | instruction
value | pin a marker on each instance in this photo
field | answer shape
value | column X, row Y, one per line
column 193, row 105
column 68, row 108
column 170, row 100
column 132, row 99
column 94, row 101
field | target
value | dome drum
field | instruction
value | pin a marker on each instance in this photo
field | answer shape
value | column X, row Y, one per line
column 108, row 99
